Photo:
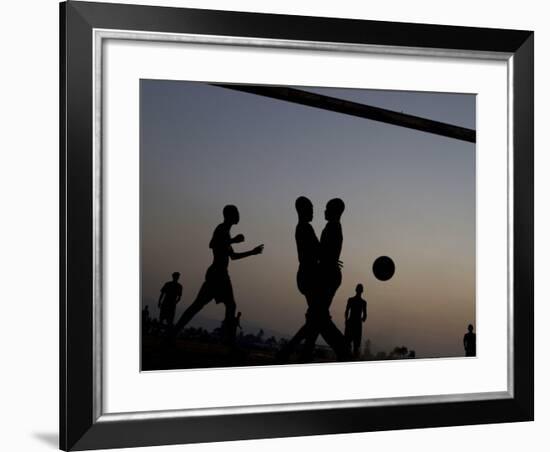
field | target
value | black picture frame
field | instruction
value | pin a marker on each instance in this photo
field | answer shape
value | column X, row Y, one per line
column 80, row 426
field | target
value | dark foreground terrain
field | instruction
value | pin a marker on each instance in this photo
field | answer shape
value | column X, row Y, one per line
column 190, row 353
column 197, row 348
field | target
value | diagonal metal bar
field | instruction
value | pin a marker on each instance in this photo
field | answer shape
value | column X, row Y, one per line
column 356, row 109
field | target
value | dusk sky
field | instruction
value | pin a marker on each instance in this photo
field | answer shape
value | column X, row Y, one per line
column 409, row 195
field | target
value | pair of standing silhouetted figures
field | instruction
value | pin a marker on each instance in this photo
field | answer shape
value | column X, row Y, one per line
column 217, row 284
column 319, row 277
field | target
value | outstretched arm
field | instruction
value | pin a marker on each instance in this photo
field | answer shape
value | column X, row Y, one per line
column 236, row 256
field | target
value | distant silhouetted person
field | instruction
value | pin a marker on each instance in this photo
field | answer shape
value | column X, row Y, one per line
column 217, row 284
column 238, row 321
column 470, row 341
column 356, row 314
column 318, row 278
column 145, row 319
column 170, row 295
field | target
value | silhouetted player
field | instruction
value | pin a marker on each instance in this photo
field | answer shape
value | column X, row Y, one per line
column 356, row 314
column 330, row 273
column 470, row 341
column 318, row 281
column 217, row 284
column 170, row 295
column 238, row 321
column 307, row 246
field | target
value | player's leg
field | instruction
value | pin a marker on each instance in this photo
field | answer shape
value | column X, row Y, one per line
column 284, row 354
column 357, row 341
column 316, row 295
column 314, row 317
column 309, row 343
column 319, row 301
column 204, row 296
column 360, row 336
column 347, row 334
column 307, row 332
column 224, row 294
column 334, row 338
column 229, row 323
column 170, row 316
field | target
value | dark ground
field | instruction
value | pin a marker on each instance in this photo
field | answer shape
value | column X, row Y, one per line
column 195, row 353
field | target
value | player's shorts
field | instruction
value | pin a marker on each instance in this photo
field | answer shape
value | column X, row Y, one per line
column 218, row 286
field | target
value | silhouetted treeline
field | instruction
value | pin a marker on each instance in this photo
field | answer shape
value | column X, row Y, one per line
column 259, row 341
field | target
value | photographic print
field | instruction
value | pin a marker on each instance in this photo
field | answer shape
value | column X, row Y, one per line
column 286, row 225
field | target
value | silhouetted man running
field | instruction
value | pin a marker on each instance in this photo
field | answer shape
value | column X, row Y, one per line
column 356, row 314
column 217, row 284
column 470, row 341
column 170, row 295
